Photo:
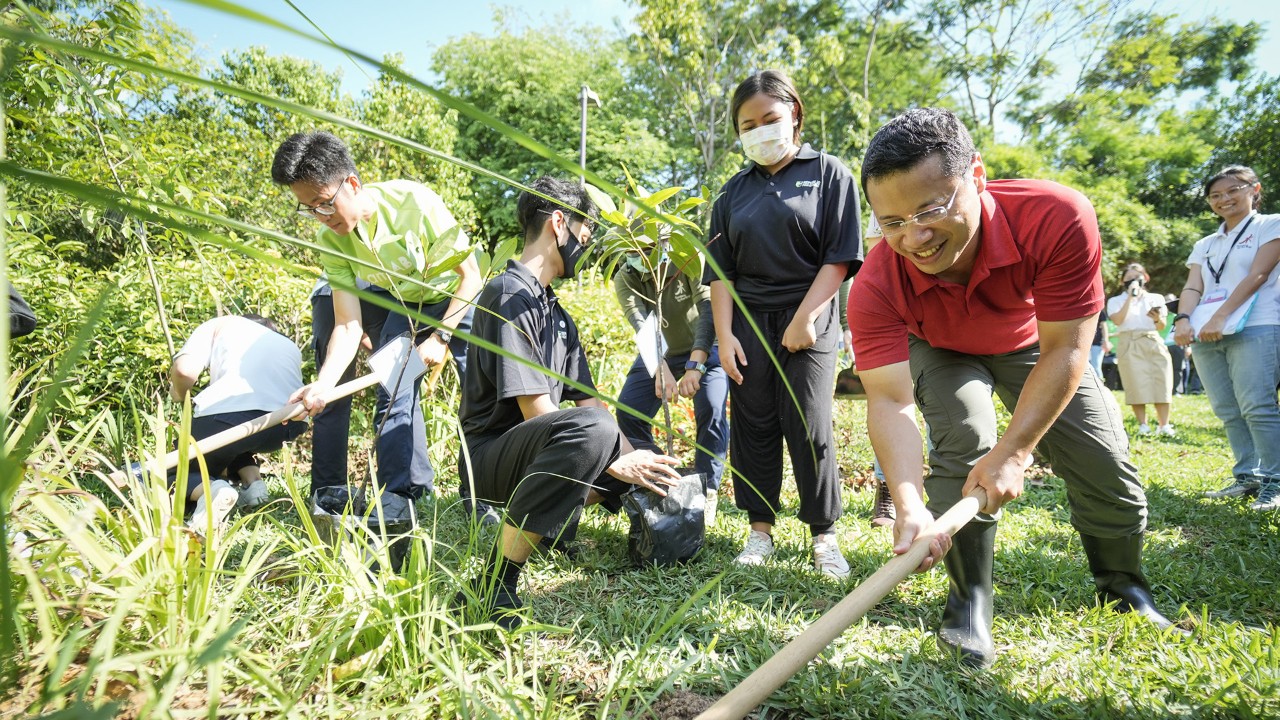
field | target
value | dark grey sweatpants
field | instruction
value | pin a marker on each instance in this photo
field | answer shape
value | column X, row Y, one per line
column 1086, row 445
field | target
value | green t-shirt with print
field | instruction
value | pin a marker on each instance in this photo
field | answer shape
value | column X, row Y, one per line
column 409, row 246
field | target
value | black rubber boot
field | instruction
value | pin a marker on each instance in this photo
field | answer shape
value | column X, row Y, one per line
column 1117, row 572
column 966, row 620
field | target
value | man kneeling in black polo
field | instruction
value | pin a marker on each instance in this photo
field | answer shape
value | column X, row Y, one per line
column 521, row 450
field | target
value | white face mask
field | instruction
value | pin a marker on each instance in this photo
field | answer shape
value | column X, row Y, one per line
column 768, row 144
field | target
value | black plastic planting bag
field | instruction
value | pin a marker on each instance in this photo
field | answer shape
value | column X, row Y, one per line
column 667, row 530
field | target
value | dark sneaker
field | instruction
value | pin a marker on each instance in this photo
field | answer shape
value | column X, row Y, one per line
column 335, row 509
column 339, row 500
column 505, row 610
column 1268, row 497
column 481, row 512
column 884, row 513
column 563, row 546
column 500, row 604
column 1241, row 486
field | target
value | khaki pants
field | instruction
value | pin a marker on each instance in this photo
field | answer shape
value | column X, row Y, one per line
column 1086, row 445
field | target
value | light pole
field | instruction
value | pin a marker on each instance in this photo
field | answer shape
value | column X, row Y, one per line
column 584, row 96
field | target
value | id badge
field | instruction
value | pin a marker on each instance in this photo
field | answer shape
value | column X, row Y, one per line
column 1215, row 297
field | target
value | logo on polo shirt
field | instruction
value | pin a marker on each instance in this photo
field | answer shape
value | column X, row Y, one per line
column 815, row 184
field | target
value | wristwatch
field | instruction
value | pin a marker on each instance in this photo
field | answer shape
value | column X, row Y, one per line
column 444, row 336
column 1181, row 316
column 695, row 365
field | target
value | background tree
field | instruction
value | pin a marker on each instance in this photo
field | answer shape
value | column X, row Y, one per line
column 1141, row 126
column 687, row 58
column 1249, row 130
column 531, row 79
column 859, row 68
column 1000, row 52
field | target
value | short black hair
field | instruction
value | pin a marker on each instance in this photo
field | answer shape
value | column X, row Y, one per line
column 1243, row 173
column 317, row 157
column 565, row 193
column 774, row 84
column 913, row 137
column 265, row 322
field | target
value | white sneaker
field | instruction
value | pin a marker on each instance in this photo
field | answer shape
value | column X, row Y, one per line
column 1167, row 431
column 827, row 557
column 759, row 546
column 255, row 495
column 1144, row 429
column 709, row 512
column 224, row 499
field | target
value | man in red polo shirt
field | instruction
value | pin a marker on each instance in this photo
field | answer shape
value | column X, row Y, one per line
column 986, row 286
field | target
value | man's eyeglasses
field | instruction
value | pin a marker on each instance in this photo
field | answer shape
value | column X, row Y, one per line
column 587, row 223
column 894, row 228
column 1229, row 192
column 325, row 208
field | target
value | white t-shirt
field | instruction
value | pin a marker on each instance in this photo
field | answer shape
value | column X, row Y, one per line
column 1137, row 319
column 1212, row 249
column 250, row 366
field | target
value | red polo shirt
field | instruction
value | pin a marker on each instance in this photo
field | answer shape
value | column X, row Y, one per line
column 1038, row 260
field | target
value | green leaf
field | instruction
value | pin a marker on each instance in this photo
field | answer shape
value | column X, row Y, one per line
column 601, row 199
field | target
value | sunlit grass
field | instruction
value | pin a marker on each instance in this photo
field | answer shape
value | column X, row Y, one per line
column 119, row 603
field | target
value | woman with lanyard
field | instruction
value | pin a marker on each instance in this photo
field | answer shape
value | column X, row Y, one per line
column 1229, row 305
column 784, row 235
column 1146, row 370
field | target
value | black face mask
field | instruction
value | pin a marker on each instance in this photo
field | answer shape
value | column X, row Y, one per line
column 570, row 253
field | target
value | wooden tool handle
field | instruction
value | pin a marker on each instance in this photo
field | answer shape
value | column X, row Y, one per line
column 796, row 654
column 246, row 429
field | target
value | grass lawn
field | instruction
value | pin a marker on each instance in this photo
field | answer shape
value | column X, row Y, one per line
column 123, row 613
column 289, row 627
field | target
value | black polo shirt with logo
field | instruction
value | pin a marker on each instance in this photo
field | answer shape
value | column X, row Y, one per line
column 770, row 234
column 515, row 312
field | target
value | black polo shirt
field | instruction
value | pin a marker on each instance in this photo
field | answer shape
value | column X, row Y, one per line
column 515, row 312
column 770, row 234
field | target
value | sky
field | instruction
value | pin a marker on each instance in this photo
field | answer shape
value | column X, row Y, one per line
column 416, row 28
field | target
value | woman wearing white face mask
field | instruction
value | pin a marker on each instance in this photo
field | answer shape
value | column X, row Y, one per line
column 785, row 232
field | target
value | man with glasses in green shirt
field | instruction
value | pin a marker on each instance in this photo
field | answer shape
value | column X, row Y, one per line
column 396, row 236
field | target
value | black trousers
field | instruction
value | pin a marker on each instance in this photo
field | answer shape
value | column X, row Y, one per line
column 227, row 461
column 764, row 413
column 542, row 469
column 1178, row 355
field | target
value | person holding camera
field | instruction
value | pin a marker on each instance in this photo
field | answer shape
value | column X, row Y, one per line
column 1146, row 370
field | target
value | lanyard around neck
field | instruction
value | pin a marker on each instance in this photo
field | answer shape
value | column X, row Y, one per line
column 1222, row 266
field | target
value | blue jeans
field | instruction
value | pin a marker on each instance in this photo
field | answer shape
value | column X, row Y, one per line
column 708, row 410
column 403, row 465
column 1240, row 373
column 1095, row 359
